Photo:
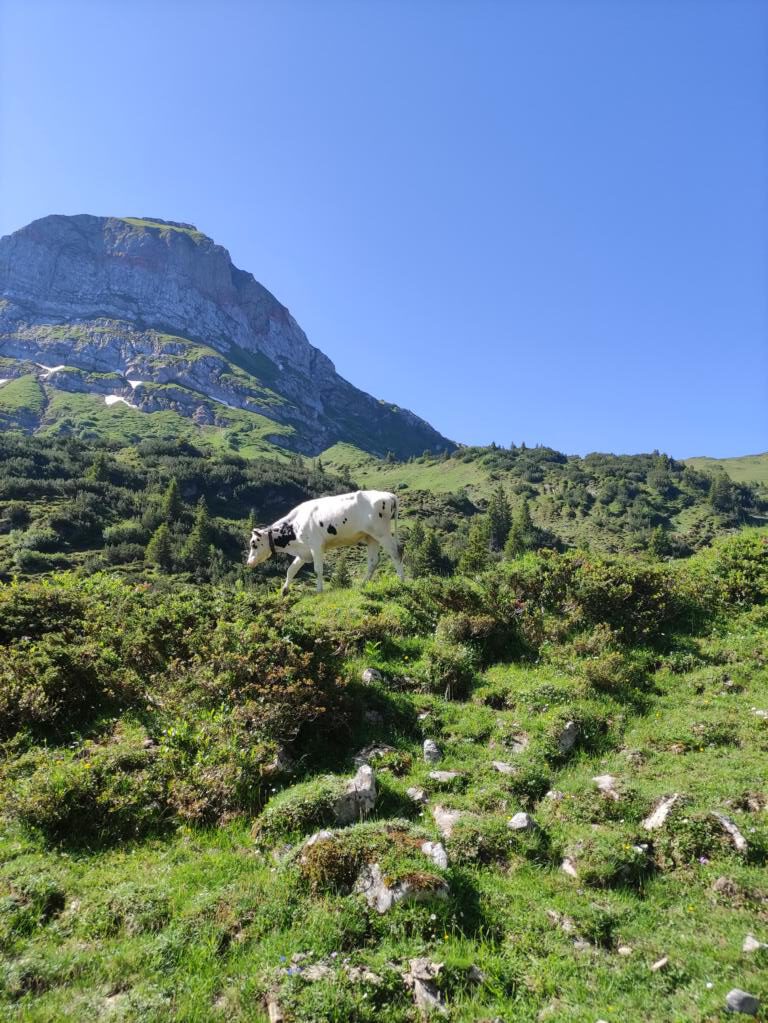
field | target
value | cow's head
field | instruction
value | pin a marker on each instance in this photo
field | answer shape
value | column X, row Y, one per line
column 260, row 548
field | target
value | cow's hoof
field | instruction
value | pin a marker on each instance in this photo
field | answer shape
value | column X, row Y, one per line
column 283, row 591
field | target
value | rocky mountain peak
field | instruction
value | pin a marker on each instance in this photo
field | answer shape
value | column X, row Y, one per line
column 160, row 302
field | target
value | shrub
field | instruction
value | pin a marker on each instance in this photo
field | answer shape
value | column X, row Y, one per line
column 606, row 858
column 56, row 686
column 105, row 792
column 450, row 669
column 299, row 810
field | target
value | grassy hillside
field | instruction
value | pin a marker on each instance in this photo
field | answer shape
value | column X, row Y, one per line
column 746, row 469
column 159, row 783
column 95, row 497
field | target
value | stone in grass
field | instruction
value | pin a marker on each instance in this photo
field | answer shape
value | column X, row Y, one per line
column 522, row 822
column 358, row 798
column 607, row 785
column 660, row 812
column 418, row 795
column 568, row 866
column 567, row 737
column 436, row 852
column 421, row 980
column 502, row 767
column 739, row 841
column 432, row 751
column 660, row 964
column 445, row 777
column 371, row 675
column 555, row 795
column 445, row 819
column 741, row 1001
column 751, row 944
column 369, row 753
column 412, row 888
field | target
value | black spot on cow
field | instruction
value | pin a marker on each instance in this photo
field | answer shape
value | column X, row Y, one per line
column 332, row 530
column 283, row 535
column 321, row 524
column 381, row 515
column 345, row 520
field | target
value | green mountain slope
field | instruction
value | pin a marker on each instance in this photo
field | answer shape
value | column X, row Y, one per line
column 744, row 469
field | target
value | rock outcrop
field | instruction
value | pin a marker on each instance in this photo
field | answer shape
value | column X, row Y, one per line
column 153, row 314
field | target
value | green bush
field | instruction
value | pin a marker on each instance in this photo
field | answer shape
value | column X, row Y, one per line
column 450, row 669
column 105, row 792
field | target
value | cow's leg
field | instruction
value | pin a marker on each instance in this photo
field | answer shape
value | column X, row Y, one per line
column 318, row 560
column 391, row 547
column 293, row 568
column 373, row 558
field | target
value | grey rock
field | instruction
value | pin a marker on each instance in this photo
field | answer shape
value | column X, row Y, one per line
column 436, row 852
column 445, row 819
column 660, row 812
column 606, row 783
column 568, row 866
column 358, row 798
column 416, row 794
column 371, row 675
column 432, row 751
column 567, row 737
column 369, row 753
column 445, row 777
column 660, row 964
column 522, row 822
column 421, row 979
column 555, row 795
column 502, row 767
column 736, row 837
column 751, row 944
column 382, row 897
column 741, row 1001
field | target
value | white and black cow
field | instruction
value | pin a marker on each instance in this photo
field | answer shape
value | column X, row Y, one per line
column 316, row 526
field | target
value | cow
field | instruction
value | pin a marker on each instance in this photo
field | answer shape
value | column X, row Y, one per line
column 314, row 527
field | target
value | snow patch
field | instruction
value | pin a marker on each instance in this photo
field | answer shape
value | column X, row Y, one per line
column 50, row 369
column 4, row 380
column 135, row 383
column 220, row 402
column 113, row 399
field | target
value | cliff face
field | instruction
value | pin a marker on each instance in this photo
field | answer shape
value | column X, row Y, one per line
column 155, row 314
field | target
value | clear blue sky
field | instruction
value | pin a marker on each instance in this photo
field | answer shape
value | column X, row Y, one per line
column 534, row 221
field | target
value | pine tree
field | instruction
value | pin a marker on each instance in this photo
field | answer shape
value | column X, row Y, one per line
column 172, row 505
column 432, row 557
column 159, row 549
column 476, row 555
column 523, row 535
column 500, row 518
column 195, row 551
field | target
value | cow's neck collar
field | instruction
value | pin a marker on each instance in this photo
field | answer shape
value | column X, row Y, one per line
column 271, row 539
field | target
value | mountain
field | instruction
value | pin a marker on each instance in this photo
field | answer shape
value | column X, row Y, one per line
column 105, row 321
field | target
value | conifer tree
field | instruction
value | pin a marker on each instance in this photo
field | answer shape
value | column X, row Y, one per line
column 500, row 518
column 476, row 555
column 523, row 535
column 159, row 549
column 195, row 551
column 171, row 505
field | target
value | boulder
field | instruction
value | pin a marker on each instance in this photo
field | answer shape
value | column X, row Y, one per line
column 660, row 812
column 445, row 777
column 436, row 852
column 445, row 819
column 432, row 751
column 522, row 822
column 741, row 1001
column 567, row 737
column 358, row 798
column 502, row 767
column 382, row 897
column 371, row 675
column 421, row 979
column 751, row 944
column 736, row 837
column 418, row 795
column 607, row 785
